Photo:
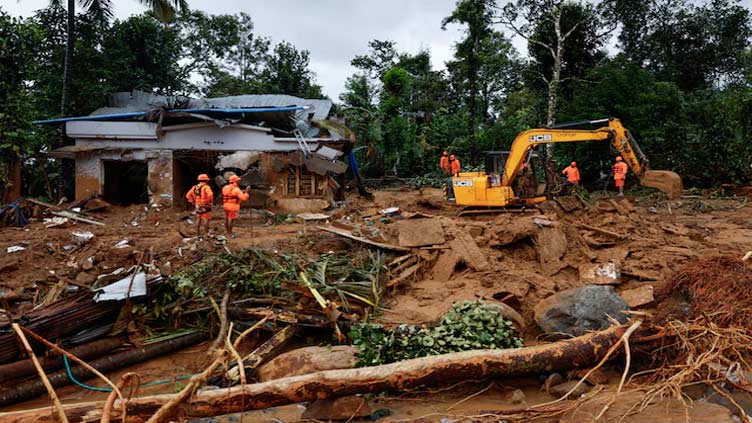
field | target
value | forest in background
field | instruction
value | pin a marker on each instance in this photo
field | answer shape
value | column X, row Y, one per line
column 678, row 73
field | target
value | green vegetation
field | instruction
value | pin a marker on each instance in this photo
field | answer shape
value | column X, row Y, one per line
column 468, row 326
column 679, row 77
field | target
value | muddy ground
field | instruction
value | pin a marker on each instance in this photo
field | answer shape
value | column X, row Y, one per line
column 649, row 237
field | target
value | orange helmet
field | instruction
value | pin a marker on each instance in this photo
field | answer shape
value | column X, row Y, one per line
column 234, row 178
column 203, row 177
column 573, row 164
column 452, row 157
column 618, row 158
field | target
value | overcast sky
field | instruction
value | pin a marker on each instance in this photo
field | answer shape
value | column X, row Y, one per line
column 334, row 31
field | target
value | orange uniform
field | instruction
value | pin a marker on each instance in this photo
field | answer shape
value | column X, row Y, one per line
column 232, row 196
column 573, row 174
column 202, row 197
column 454, row 166
column 620, row 173
column 444, row 163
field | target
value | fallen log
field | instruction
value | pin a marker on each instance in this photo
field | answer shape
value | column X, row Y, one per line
column 24, row 368
column 31, row 389
column 441, row 370
column 263, row 353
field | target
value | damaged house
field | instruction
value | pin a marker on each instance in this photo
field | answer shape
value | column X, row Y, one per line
column 149, row 149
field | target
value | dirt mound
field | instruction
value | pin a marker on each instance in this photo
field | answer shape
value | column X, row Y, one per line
column 718, row 287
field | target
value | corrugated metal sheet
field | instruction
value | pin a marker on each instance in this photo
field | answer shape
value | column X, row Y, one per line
column 319, row 108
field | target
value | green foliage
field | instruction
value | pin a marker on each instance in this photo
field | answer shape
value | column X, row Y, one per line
column 468, row 326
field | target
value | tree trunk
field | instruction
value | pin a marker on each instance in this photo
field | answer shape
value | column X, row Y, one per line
column 472, row 88
column 28, row 390
column 70, row 42
column 25, row 368
column 553, row 83
column 442, row 370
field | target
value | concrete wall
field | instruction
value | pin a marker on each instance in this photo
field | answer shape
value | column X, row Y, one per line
column 90, row 172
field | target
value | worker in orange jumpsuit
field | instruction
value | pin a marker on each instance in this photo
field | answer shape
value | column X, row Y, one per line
column 572, row 173
column 232, row 196
column 454, row 165
column 619, row 170
column 444, row 163
column 202, row 197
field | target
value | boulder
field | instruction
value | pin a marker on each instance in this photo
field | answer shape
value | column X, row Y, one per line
column 308, row 360
column 638, row 296
column 563, row 388
column 577, row 311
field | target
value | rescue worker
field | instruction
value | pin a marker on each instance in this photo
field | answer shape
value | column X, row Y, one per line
column 619, row 170
column 444, row 163
column 454, row 165
column 232, row 196
column 572, row 173
column 202, row 197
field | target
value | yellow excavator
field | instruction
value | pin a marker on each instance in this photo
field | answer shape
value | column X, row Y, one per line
column 500, row 185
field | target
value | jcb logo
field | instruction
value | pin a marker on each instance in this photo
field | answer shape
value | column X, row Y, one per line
column 463, row 183
column 541, row 137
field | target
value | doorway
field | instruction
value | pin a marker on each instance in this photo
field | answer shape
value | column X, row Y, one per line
column 125, row 182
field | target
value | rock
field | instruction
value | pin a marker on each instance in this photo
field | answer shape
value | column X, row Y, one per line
column 638, row 296
column 87, row 263
column 561, row 389
column 165, row 269
column 475, row 231
column 420, row 232
column 85, row 278
column 577, row 311
column 595, row 378
column 552, row 380
column 608, row 273
column 445, row 266
column 308, row 360
column 343, row 408
column 518, row 397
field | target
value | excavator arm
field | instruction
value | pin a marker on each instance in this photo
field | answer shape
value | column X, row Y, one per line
column 613, row 131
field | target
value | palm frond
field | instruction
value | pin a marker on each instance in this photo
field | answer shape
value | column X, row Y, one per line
column 98, row 9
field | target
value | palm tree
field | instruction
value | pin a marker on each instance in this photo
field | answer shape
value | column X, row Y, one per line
column 162, row 9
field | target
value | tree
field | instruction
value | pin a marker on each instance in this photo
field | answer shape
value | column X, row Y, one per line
column 477, row 17
column 102, row 10
column 531, row 19
column 287, row 72
column 382, row 56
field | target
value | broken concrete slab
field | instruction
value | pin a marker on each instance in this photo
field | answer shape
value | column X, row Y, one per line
column 638, row 296
column 467, row 250
column 551, row 244
column 420, row 233
column 608, row 273
column 445, row 265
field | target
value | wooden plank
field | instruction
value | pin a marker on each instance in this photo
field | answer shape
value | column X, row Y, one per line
column 404, row 275
column 347, row 234
column 74, row 216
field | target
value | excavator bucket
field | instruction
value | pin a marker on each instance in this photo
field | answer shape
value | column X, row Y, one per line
column 663, row 180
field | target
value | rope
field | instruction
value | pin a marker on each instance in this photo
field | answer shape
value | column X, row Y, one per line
column 98, row 389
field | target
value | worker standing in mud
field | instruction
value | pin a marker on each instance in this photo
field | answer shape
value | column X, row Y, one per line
column 454, row 165
column 572, row 173
column 202, row 197
column 444, row 163
column 619, row 170
column 232, row 196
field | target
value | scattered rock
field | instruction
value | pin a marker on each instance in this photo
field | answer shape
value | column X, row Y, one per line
column 577, row 311
column 518, row 397
column 308, row 360
column 608, row 273
column 87, row 263
column 561, row 389
column 85, row 278
column 420, row 233
column 342, row 408
column 638, row 296
column 595, row 378
column 475, row 231
column 552, row 380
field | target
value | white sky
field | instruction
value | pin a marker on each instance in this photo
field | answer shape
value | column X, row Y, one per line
column 334, row 31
